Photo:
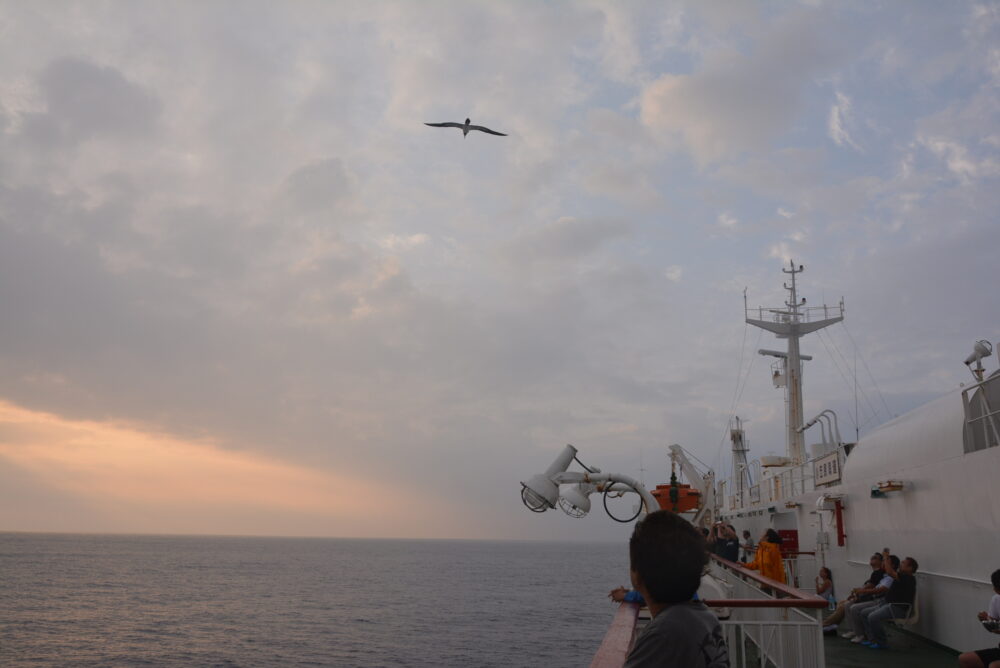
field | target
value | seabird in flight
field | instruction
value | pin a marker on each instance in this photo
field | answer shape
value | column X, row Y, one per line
column 465, row 127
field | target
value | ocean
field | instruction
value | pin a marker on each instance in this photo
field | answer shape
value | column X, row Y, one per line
column 117, row 600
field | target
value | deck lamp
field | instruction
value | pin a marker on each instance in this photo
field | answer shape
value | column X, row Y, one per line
column 541, row 492
column 571, row 490
column 574, row 500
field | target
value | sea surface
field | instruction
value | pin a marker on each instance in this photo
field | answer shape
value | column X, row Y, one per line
column 102, row 600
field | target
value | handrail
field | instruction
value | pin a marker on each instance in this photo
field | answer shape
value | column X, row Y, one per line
column 784, row 553
column 764, row 603
column 617, row 641
column 799, row 599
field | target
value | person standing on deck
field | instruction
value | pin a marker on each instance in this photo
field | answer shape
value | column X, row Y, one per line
column 666, row 559
column 748, row 546
column 768, row 559
column 730, row 548
column 715, row 538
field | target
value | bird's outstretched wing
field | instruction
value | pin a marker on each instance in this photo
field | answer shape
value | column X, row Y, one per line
column 445, row 125
column 482, row 129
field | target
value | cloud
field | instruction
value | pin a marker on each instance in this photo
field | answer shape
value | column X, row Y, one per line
column 738, row 101
column 840, row 114
column 565, row 239
column 959, row 160
column 781, row 250
column 727, row 220
column 126, row 473
column 316, row 189
column 83, row 100
column 395, row 242
column 271, row 258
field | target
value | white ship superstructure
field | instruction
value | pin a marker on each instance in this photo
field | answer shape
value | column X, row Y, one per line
column 926, row 485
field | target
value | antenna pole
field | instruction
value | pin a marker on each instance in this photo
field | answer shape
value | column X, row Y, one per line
column 857, row 418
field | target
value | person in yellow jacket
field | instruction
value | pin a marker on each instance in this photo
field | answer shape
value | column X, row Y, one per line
column 768, row 558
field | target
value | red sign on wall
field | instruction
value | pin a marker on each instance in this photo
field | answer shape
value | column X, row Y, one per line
column 789, row 541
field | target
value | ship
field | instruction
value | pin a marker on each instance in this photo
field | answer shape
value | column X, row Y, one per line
column 925, row 484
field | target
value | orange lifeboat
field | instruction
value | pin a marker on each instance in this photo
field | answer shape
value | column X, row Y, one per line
column 687, row 498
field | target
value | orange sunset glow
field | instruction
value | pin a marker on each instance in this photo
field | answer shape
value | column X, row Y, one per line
column 119, row 475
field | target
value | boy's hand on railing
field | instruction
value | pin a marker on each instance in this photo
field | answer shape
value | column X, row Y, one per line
column 618, row 594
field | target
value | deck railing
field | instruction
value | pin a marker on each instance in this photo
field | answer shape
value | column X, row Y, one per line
column 801, row 569
column 618, row 640
column 805, row 313
column 766, row 623
column 771, row 623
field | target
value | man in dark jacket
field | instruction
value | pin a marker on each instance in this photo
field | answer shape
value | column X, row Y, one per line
column 858, row 595
column 730, row 544
column 897, row 603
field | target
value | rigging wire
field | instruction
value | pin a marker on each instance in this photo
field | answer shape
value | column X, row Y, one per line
column 870, row 374
column 741, row 383
column 843, row 376
column 874, row 412
column 746, row 377
column 691, row 455
column 732, row 402
column 760, row 333
column 853, row 373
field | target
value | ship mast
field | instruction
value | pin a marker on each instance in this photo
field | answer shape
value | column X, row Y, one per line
column 792, row 323
column 741, row 470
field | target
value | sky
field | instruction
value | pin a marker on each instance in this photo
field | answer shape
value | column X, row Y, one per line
column 247, row 291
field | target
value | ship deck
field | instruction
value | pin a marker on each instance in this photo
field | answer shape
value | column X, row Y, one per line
column 905, row 649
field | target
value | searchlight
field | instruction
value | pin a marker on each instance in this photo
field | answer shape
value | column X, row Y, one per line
column 570, row 490
column 981, row 349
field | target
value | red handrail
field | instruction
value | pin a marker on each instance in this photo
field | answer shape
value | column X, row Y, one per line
column 764, row 603
column 784, row 553
column 799, row 599
column 617, row 641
